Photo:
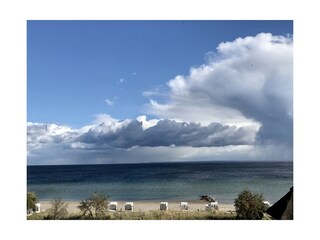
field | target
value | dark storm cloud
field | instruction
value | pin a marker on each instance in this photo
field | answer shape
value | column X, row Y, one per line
column 166, row 133
column 114, row 141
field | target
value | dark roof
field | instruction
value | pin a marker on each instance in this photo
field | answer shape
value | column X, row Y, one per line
column 283, row 209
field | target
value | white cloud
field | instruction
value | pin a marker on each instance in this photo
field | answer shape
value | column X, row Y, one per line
column 147, row 123
column 40, row 135
column 109, row 102
column 248, row 82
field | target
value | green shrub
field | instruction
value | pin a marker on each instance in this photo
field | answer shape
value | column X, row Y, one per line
column 249, row 205
column 31, row 201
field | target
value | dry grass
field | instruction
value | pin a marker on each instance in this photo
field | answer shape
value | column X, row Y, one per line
column 171, row 215
column 150, row 215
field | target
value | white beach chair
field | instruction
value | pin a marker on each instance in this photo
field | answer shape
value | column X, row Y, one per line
column 211, row 206
column 38, row 207
column 207, row 207
column 113, row 206
column 183, row 206
column 266, row 205
column 164, row 206
column 214, row 205
column 128, row 206
column 29, row 212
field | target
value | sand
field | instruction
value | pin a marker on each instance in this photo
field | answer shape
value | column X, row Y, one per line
column 145, row 206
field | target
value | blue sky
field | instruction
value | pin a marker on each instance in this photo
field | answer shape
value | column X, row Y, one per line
column 74, row 66
column 81, row 74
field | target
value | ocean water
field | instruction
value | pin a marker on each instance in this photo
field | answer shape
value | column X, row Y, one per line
column 162, row 181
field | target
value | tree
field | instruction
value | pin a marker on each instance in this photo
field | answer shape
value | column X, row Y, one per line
column 31, row 201
column 86, row 208
column 95, row 206
column 58, row 209
column 99, row 203
column 249, row 205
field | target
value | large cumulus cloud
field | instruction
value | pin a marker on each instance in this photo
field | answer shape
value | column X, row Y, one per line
column 246, row 82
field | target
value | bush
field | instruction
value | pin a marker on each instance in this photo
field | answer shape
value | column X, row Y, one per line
column 31, row 201
column 249, row 205
column 37, row 216
column 94, row 207
column 58, row 209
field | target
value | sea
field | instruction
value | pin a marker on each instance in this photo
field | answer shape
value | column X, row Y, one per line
column 161, row 181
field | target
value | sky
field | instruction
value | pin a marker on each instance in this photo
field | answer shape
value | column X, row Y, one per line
column 159, row 91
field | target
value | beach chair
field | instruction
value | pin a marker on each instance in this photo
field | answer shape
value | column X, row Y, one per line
column 128, row 206
column 183, row 206
column 207, row 207
column 29, row 212
column 214, row 205
column 38, row 207
column 211, row 206
column 164, row 206
column 266, row 205
column 113, row 206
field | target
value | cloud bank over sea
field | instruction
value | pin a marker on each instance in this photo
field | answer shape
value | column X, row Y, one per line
column 236, row 106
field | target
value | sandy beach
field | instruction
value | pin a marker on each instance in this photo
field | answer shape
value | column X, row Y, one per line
column 145, row 206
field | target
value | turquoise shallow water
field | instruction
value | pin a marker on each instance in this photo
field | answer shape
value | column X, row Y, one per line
column 162, row 181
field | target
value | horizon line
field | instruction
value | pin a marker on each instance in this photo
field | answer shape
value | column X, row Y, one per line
column 167, row 162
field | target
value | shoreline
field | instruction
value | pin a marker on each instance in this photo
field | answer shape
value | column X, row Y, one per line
column 145, row 205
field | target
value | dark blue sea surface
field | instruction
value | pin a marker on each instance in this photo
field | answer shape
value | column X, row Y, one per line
column 162, row 181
